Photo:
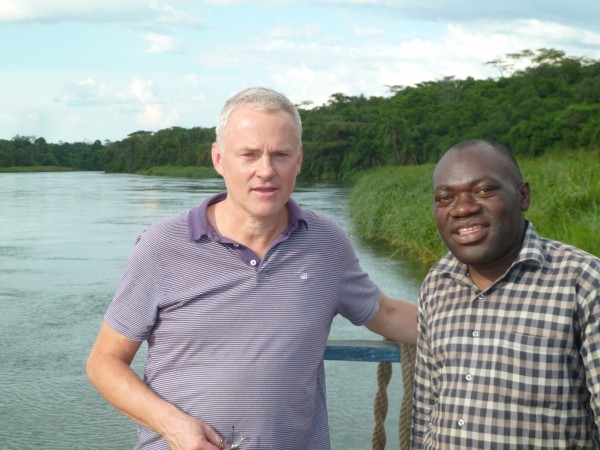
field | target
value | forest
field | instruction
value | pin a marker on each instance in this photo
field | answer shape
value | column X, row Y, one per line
column 543, row 100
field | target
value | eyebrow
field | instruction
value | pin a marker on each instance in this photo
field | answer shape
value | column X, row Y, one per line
column 476, row 181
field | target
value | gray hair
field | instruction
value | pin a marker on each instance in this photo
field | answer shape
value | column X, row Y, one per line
column 260, row 99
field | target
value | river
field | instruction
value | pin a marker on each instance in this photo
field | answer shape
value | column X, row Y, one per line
column 64, row 238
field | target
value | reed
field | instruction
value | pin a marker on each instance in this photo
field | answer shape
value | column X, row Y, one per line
column 394, row 204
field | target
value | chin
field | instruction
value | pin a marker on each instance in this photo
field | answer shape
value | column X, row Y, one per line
column 470, row 258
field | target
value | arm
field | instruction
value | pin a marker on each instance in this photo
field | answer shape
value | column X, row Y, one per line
column 396, row 320
column 108, row 368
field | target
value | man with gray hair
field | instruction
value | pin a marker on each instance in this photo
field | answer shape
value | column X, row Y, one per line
column 236, row 299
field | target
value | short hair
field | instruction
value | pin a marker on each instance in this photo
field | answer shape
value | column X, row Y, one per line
column 260, row 99
column 499, row 148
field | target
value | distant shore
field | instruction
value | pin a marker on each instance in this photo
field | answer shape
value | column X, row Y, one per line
column 393, row 205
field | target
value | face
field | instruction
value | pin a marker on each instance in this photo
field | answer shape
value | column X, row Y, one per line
column 259, row 158
column 478, row 205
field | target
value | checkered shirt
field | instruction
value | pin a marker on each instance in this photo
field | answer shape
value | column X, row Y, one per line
column 516, row 366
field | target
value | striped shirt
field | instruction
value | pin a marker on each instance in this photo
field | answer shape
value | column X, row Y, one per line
column 516, row 366
column 236, row 341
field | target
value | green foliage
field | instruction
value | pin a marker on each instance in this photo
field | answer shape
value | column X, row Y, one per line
column 174, row 146
column 550, row 104
column 18, row 169
column 395, row 204
column 543, row 101
column 31, row 152
column 566, row 197
column 181, row 172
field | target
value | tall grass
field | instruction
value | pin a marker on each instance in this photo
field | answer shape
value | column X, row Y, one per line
column 394, row 204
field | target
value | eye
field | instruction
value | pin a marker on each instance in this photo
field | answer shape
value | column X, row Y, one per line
column 443, row 199
column 485, row 190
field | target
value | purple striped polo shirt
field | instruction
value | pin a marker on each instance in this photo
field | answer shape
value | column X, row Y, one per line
column 237, row 343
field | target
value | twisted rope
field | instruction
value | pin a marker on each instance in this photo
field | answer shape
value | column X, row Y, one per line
column 408, row 353
column 380, row 407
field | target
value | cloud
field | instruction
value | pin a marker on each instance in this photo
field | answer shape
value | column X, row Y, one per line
column 22, row 11
column 313, row 67
column 142, row 90
column 133, row 12
column 160, row 43
column 154, row 116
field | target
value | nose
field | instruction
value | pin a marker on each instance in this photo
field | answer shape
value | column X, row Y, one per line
column 265, row 167
column 465, row 205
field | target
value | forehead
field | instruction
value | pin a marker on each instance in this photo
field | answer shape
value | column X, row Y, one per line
column 467, row 165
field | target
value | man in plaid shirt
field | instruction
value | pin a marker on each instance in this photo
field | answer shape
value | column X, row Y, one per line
column 509, row 322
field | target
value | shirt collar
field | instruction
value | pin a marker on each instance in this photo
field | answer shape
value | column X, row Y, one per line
column 198, row 224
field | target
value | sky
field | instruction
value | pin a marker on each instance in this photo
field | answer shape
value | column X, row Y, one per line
column 81, row 71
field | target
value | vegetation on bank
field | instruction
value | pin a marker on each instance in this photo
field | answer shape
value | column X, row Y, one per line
column 553, row 103
column 181, row 172
column 35, row 169
column 395, row 204
column 389, row 145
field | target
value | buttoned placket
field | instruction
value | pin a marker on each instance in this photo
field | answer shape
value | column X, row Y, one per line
column 470, row 371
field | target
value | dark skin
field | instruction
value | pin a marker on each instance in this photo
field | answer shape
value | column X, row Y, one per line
column 479, row 201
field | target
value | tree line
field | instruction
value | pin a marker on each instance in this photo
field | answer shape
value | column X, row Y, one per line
column 553, row 102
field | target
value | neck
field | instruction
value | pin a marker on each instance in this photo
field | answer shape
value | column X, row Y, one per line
column 258, row 234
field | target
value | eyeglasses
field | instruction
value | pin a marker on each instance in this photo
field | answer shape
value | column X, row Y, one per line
column 234, row 440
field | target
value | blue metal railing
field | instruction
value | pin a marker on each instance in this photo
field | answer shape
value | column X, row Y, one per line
column 384, row 353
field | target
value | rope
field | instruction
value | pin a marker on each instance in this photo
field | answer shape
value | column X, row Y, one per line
column 408, row 375
column 380, row 408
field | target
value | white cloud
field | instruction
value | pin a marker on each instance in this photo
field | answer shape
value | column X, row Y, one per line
column 153, row 116
column 142, row 90
column 97, row 11
column 368, row 32
column 160, row 43
column 168, row 15
column 67, row 10
column 191, row 80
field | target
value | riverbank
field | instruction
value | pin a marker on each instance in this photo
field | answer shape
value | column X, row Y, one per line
column 20, row 169
column 394, row 204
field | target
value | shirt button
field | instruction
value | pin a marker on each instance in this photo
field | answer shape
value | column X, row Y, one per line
column 252, row 262
column 460, row 423
column 480, row 297
column 236, row 245
column 468, row 377
column 475, row 333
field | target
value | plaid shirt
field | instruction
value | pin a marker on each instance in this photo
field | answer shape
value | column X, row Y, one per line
column 516, row 366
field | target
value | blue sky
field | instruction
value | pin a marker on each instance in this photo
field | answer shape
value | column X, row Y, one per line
column 76, row 70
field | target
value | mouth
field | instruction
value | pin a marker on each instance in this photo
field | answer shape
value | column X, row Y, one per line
column 470, row 234
column 264, row 189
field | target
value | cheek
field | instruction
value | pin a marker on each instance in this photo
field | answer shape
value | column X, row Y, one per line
column 439, row 218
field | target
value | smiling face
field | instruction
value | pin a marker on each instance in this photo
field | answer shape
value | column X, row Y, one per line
column 259, row 158
column 479, row 200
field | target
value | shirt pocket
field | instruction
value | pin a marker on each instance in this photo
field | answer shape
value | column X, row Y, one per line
column 531, row 370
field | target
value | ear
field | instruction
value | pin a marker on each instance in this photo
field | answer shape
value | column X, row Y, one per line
column 525, row 193
column 217, row 158
column 299, row 162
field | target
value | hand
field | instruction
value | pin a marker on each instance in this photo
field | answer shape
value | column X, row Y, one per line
column 193, row 434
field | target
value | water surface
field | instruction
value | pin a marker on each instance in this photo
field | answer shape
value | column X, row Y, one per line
column 64, row 239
